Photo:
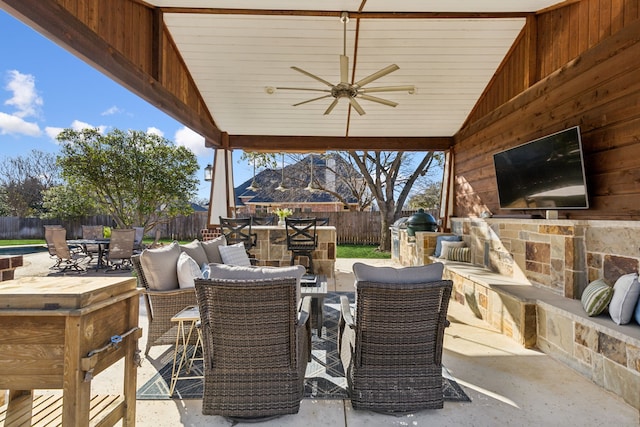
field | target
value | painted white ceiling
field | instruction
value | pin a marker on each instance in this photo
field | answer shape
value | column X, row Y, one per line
column 234, row 58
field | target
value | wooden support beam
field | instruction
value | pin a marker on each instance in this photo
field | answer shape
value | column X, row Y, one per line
column 302, row 144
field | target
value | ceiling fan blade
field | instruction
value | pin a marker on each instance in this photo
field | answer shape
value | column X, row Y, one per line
column 313, row 76
column 311, row 100
column 331, row 107
column 303, row 88
column 378, row 100
column 375, row 76
column 356, row 106
column 344, row 69
column 409, row 89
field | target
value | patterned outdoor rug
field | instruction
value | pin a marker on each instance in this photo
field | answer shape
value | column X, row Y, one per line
column 324, row 378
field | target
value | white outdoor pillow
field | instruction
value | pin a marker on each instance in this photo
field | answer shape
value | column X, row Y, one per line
column 446, row 238
column 195, row 251
column 414, row 274
column 160, row 267
column 188, row 270
column 211, row 248
column 223, row 271
column 444, row 254
column 625, row 297
column 234, row 255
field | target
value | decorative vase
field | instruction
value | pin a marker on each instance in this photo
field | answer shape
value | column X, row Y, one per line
column 281, row 223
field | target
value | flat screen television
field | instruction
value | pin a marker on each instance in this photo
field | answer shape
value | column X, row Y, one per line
column 546, row 173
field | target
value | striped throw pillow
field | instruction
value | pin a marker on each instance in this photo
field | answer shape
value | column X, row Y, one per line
column 459, row 254
column 596, row 297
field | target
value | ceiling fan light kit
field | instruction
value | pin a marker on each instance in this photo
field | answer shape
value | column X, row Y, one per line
column 347, row 90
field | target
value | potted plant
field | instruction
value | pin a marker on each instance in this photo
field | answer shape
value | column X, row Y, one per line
column 282, row 214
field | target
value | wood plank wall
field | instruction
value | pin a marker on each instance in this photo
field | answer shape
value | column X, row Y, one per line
column 138, row 33
column 596, row 87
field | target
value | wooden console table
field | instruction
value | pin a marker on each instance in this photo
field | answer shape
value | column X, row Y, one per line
column 58, row 333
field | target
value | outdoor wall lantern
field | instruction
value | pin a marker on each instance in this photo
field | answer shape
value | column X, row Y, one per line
column 208, row 173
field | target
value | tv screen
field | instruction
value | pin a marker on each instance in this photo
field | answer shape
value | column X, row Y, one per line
column 546, row 173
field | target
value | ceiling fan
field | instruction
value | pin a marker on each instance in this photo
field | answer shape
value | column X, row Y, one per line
column 347, row 90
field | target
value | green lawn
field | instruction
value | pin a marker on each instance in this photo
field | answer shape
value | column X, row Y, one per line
column 21, row 242
column 361, row 251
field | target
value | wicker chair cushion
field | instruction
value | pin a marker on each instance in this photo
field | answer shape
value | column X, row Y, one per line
column 211, row 248
column 223, row 271
column 188, row 270
column 417, row 274
column 160, row 267
column 196, row 251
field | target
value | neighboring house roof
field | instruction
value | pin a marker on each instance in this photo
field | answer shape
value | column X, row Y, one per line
column 296, row 179
column 197, row 208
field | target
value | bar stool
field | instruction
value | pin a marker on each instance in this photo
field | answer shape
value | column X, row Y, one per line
column 302, row 239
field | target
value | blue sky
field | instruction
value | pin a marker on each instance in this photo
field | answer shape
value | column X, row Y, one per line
column 44, row 89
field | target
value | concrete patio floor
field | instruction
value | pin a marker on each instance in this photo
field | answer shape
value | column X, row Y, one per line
column 508, row 384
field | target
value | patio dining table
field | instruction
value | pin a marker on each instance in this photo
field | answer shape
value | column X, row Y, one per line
column 103, row 245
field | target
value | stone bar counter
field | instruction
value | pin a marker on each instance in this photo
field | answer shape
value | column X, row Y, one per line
column 271, row 248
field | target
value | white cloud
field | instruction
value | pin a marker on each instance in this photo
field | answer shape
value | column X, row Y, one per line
column 155, row 131
column 111, row 111
column 25, row 98
column 12, row 124
column 52, row 132
column 193, row 141
column 77, row 125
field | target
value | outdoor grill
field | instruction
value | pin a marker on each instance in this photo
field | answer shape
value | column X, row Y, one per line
column 421, row 221
column 395, row 237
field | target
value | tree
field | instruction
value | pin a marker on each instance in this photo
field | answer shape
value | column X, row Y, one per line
column 386, row 177
column 140, row 179
column 390, row 177
column 334, row 174
column 428, row 198
column 65, row 202
column 24, row 178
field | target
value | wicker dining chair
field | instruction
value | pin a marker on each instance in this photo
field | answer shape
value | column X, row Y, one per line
column 391, row 349
column 256, row 347
column 161, row 307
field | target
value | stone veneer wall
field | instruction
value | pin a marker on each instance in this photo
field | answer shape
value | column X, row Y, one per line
column 560, row 255
column 271, row 247
column 607, row 354
column 416, row 250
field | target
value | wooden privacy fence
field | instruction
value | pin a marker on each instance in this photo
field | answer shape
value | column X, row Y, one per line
column 357, row 228
column 12, row 227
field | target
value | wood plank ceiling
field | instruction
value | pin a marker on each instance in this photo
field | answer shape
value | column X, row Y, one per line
column 240, row 52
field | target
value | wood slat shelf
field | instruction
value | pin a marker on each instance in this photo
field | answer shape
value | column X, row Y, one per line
column 46, row 410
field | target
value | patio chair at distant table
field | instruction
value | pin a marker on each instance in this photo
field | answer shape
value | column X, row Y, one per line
column 67, row 258
column 120, row 248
